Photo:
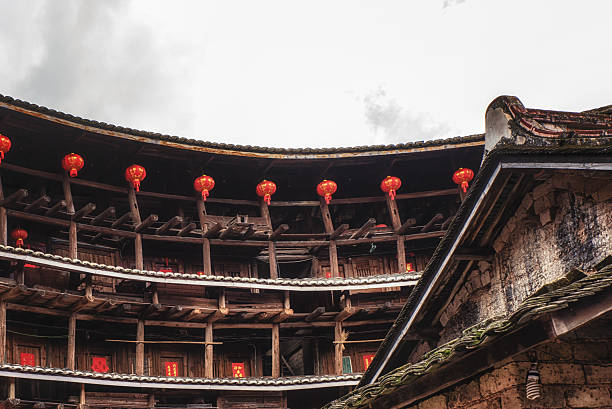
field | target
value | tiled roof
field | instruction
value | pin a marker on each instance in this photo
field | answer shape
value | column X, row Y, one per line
column 476, row 336
column 131, row 380
column 295, row 284
column 231, row 147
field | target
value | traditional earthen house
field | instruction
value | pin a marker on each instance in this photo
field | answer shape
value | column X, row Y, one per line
column 143, row 294
column 514, row 309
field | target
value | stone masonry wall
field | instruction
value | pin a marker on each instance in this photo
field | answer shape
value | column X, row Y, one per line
column 565, row 223
column 575, row 372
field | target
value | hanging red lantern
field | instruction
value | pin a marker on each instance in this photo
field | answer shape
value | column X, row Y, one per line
column 326, row 189
column 390, row 185
column 5, row 146
column 266, row 189
column 462, row 176
column 204, row 184
column 19, row 235
column 135, row 174
column 73, row 162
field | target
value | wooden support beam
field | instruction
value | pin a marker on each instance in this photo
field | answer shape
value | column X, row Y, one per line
column 108, row 213
column 347, row 310
column 44, row 200
column 187, row 229
column 214, row 230
column 333, row 259
column 265, row 212
column 278, row 232
column 135, row 214
column 222, row 310
column 3, row 332
column 11, row 390
column 72, row 240
column 149, row 221
column 338, row 232
column 262, row 316
column 317, row 312
column 275, row 351
column 83, row 211
column 326, row 216
column 36, row 295
column 71, row 353
column 3, row 220
column 401, row 254
column 272, row 259
column 14, row 197
column 83, row 303
column 121, row 220
column 393, row 213
column 55, row 208
column 194, row 314
column 435, row 219
column 208, row 351
column 82, row 398
column 163, row 229
column 363, row 230
column 14, row 292
column 406, row 225
column 140, row 348
column 338, row 348
column 475, row 254
column 206, row 256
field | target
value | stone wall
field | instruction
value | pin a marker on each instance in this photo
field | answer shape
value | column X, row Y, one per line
column 575, row 372
column 564, row 223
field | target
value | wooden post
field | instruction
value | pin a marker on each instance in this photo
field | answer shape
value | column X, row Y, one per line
column 72, row 240
column 275, row 351
column 140, row 348
column 208, row 356
column 272, row 259
column 71, row 354
column 11, row 388
column 151, row 401
column 401, row 255
column 326, row 216
column 2, row 332
column 393, row 213
column 82, row 401
column 338, row 349
column 206, row 257
column 333, row 259
column 75, row 278
column 139, row 263
column 3, row 220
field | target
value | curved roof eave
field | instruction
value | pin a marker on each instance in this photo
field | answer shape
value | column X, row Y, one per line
column 88, row 125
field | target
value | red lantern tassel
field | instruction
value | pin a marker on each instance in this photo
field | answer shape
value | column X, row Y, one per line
column 137, row 185
column 19, row 242
column 464, row 186
column 73, row 172
column 392, row 194
column 267, row 198
column 327, row 198
column 204, row 194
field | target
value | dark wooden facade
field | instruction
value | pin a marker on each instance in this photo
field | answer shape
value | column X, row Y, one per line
column 246, row 261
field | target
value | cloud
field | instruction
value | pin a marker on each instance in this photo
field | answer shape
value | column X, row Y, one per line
column 450, row 3
column 393, row 124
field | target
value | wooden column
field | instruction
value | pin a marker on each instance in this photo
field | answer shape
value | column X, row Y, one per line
column 265, row 213
column 72, row 230
column 140, row 348
column 338, row 349
column 139, row 263
column 82, row 401
column 71, row 354
column 2, row 332
column 326, row 216
column 206, row 257
column 11, row 388
column 208, row 355
column 396, row 221
column 3, row 220
column 275, row 351
column 333, row 259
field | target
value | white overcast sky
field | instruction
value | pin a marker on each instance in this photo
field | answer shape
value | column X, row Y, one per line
column 305, row 73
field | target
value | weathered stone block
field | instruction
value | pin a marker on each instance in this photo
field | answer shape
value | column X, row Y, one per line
column 553, row 373
column 603, row 194
column 475, row 280
column 461, row 395
column 545, row 217
column 589, row 351
column 598, row 374
column 526, row 202
column 484, row 265
column 444, row 318
column 543, row 203
column 588, row 397
column 500, row 379
column 542, row 189
column 511, row 399
column 435, row 402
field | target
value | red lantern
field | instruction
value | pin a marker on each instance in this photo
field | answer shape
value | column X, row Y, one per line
column 462, row 176
column 390, row 185
column 266, row 189
column 135, row 174
column 5, row 146
column 19, row 235
column 73, row 162
column 326, row 189
column 204, row 184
